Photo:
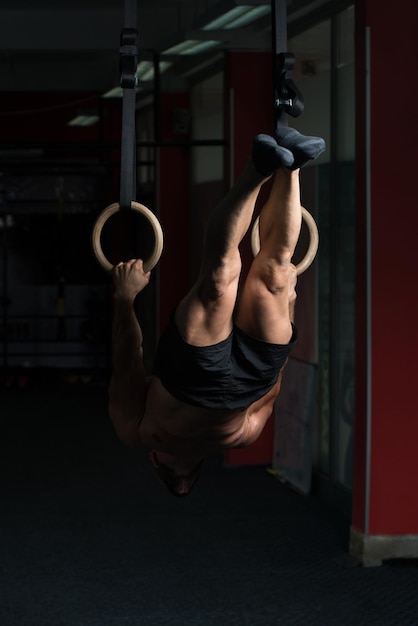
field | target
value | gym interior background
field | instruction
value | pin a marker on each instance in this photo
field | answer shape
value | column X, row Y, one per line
column 196, row 117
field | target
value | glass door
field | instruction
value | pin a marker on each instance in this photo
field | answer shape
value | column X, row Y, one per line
column 324, row 73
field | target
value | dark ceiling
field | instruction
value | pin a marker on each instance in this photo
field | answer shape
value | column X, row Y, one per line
column 73, row 45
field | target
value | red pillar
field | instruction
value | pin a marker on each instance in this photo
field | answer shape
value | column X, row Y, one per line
column 385, row 503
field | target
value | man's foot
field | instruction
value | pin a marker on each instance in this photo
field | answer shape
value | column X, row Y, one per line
column 304, row 148
column 268, row 156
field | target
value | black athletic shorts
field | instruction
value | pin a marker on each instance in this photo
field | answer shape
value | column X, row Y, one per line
column 231, row 374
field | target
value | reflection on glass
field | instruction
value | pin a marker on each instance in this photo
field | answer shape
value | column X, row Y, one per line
column 333, row 187
column 312, row 50
column 345, row 241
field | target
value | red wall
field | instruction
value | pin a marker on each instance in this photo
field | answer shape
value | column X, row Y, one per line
column 43, row 117
column 394, row 267
column 40, row 120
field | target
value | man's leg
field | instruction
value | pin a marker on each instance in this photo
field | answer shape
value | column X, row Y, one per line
column 127, row 389
column 204, row 316
column 265, row 306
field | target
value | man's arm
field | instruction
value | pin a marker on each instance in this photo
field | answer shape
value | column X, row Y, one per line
column 128, row 385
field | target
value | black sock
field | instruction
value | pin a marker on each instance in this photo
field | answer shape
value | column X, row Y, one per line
column 303, row 147
column 268, row 156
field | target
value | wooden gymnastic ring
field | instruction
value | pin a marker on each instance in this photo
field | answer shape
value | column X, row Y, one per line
column 149, row 263
column 313, row 241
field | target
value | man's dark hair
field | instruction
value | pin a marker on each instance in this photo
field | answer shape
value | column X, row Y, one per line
column 178, row 485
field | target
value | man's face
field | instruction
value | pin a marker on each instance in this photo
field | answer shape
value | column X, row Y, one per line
column 179, row 485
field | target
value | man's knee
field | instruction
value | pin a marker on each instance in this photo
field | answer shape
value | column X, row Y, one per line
column 217, row 280
column 275, row 277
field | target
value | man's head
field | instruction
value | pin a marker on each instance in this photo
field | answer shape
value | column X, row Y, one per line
column 178, row 481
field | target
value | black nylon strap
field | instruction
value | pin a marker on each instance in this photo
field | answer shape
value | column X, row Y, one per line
column 287, row 99
column 128, row 60
column 278, row 45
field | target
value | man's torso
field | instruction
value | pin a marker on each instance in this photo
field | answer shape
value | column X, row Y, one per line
column 174, row 427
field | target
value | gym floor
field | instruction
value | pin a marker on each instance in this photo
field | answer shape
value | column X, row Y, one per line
column 89, row 537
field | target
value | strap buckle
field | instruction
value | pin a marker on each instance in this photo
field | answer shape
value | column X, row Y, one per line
column 287, row 97
column 128, row 58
